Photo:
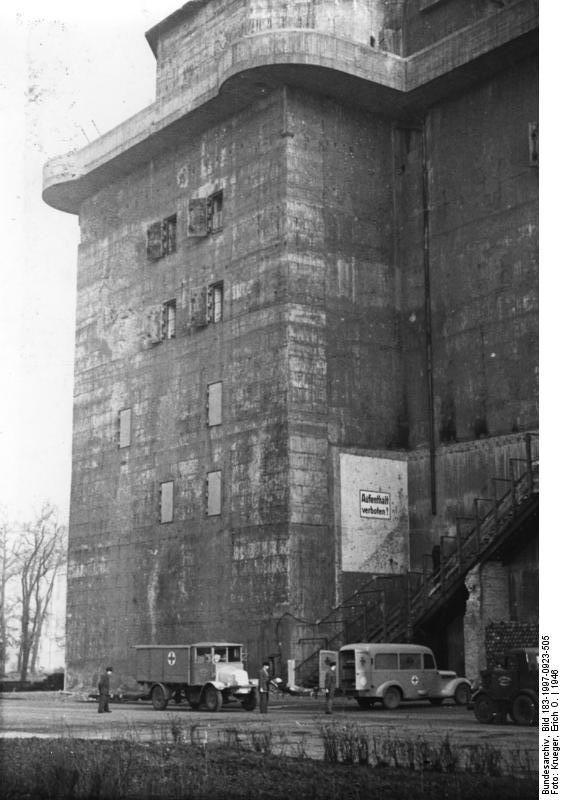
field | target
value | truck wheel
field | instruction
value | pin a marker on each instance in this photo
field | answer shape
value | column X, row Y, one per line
column 462, row 694
column 524, row 710
column 159, row 698
column 213, row 699
column 391, row 698
column 485, row 709
column 250, row 702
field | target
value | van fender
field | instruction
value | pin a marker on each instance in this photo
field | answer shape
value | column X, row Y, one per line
column 453, row 684
column 380, row 690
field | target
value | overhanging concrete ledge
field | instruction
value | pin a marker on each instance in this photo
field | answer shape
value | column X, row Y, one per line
column 380, row 82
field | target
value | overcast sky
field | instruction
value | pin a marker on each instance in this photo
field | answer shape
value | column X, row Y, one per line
column 68, row 72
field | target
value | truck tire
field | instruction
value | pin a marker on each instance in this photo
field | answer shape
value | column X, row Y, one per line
column 159, row 698
column 485, row 708
column 524, row 710
column 250, row 702
column 391, row 698
column 462, row 694
column 212, row 698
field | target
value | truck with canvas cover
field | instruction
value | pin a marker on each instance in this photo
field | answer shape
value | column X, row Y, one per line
column 391, row 673
column 206, row 674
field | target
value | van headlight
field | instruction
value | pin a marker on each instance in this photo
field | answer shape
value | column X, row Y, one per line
column 362, row 681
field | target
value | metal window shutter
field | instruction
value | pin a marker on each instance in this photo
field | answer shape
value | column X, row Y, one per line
column 198, row 217
column 154, row 241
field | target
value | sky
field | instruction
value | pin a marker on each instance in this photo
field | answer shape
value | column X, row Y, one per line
column 68, row 72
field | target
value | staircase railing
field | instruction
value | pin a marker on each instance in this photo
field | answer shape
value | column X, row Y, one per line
column 478, row 532
column 425, row 589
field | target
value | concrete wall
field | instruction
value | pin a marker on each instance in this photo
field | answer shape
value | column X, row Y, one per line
column 187, row 51
column 427, row 21
column 132, row 579
column 321, row 350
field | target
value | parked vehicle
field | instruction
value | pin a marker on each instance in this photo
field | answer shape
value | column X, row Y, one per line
column 205, row 674
column 391, row 673
column 510, row 689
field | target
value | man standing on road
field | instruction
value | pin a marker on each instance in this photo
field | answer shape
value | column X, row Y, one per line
column 104, row 687
column 330, row 685
column 264, row 684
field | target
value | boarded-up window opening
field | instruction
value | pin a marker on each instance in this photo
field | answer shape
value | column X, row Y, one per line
column 215, row 202
column 533, row 143
column 215, row 297
column 214, row 404
column 168, row 320
column 125, row 419
column 169, row 235
column 214, row 493
column 166, row 501
column 199, row 301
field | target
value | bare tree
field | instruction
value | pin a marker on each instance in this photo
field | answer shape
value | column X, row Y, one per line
column 8, row 571
column 38, row 552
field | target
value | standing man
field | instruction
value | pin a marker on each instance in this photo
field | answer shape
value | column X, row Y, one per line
column 330, row 686
column 104, row 687
column 264, row 683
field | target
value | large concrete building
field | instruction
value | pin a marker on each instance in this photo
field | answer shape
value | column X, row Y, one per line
column 306, row 336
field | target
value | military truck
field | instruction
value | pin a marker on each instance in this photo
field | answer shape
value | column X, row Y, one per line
column 205, row 674
column 510, row 689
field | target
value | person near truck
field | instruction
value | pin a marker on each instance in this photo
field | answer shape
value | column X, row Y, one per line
column 330, row 686
column 264, row 685
column 104, row 687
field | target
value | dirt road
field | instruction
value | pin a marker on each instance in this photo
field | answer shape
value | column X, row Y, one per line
column 293, row 726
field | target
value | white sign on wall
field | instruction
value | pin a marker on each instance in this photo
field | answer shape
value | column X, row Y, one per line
column 375, row 505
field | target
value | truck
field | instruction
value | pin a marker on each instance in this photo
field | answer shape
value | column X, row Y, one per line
column 389, row 673
column 207, row 674
column 510, row 689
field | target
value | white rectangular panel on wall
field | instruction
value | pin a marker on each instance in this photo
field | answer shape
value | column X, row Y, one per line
column 374, row 514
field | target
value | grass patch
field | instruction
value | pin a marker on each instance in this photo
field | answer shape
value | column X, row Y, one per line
column 72, row 769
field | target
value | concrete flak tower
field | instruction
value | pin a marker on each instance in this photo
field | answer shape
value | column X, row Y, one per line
column 306, row 333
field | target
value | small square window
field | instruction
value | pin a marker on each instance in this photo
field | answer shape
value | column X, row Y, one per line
column 166, row 502
column 125, row 419
column 214, row 404
column 214, row 493
column 168, row 319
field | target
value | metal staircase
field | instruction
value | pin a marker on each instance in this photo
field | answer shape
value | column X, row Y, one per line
column 391, row 608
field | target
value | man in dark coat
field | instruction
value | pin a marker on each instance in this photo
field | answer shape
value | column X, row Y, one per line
column 264, row 684
column 330, row 686
column 104, row 688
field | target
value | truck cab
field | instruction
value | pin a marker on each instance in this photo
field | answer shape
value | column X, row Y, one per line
column 509, row 689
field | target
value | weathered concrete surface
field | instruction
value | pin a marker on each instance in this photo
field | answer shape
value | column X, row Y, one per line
column 309, row 134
